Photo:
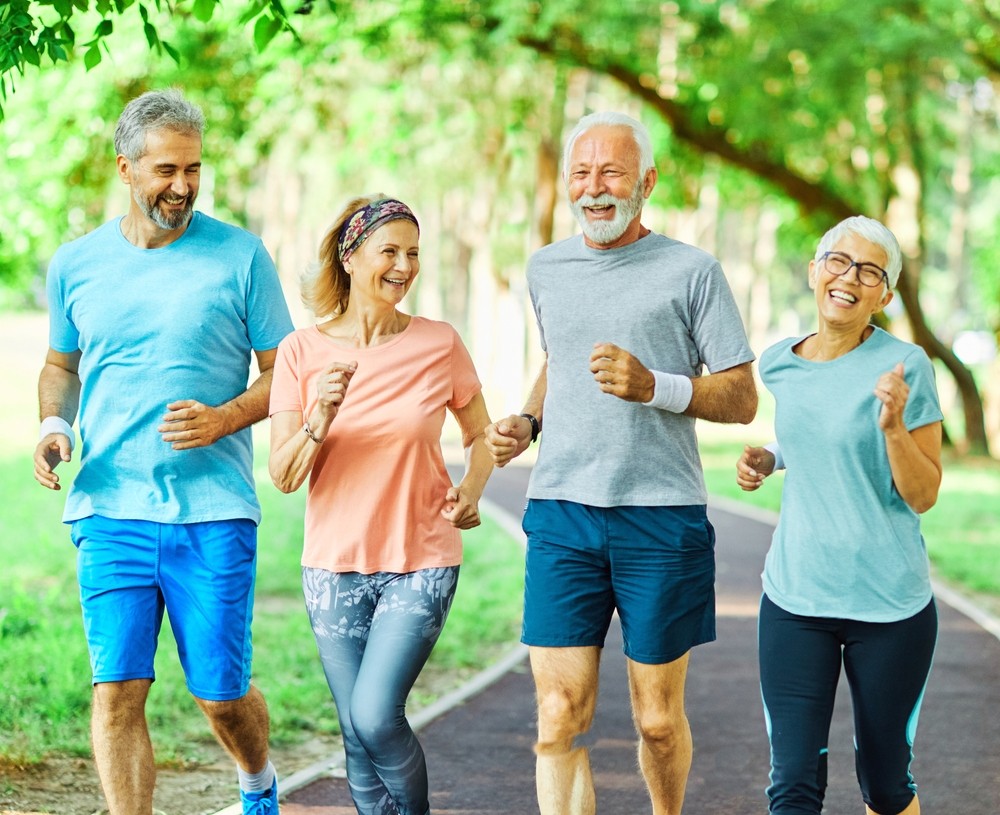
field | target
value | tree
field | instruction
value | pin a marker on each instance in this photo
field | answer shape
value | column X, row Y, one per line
column 33, row 32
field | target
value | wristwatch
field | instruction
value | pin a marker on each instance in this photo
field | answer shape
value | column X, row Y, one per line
column 534, row 426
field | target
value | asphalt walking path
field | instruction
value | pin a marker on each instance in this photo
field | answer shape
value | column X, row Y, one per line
column 479, row 752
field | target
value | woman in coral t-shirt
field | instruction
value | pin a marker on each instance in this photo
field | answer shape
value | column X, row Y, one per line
column 357, row 406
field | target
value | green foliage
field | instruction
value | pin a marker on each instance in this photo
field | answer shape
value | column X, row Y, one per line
column 33, row 32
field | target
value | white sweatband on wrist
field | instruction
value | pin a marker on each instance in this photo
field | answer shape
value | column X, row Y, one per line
column 779, row 462
column 671, row 392
column 57, row 424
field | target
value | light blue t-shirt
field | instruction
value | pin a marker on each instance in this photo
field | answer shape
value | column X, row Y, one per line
column 847, row 545
column 669, row 305
column 155, row 326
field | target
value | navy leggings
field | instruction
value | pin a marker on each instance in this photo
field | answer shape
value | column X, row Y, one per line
column 374, row 634
column 886, row 665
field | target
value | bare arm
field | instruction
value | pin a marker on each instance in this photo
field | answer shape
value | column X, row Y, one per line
column 507, row 438
column 293, row 451
column 462, row 501
column 914, row 455
column 58, row 395
column 190, row 423
column 728, row 396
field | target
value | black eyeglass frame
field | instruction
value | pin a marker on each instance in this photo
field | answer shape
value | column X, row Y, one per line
column 851, row 262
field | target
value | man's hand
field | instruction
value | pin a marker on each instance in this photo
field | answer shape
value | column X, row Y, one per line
column 619, row 373
column 191, row 424
column 50, row 451
column 754, row 466
column 508, row 438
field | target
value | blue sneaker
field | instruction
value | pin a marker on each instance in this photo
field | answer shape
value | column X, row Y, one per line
column 261, row 803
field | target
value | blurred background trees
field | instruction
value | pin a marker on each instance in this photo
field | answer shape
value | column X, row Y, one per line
column 772, row 119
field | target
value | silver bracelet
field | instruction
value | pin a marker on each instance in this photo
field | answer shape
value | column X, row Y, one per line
column 308, row 431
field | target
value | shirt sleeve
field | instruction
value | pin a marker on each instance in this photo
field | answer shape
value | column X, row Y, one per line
column 63, row 335
column 716, row 324
column 922, row 406
column 268, row 320
column 286, row 393
column 465, row 382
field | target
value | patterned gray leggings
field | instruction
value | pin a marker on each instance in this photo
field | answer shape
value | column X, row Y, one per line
column 374, row 634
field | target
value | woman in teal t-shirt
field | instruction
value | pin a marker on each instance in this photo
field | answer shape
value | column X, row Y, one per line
column 846, row 580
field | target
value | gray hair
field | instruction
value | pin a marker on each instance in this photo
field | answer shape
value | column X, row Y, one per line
column 612, row 119
column 155, row 110
column 871, row 230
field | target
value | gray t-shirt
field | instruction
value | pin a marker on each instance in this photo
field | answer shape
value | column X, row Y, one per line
column 669, row 305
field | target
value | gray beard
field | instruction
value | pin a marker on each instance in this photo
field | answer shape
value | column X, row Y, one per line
column 171, row 221
column 605, row 232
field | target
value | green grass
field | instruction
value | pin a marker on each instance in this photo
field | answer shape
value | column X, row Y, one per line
column 45, row 691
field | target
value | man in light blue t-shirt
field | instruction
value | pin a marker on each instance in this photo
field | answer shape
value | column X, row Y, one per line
column 152, row 320
column 616, row 517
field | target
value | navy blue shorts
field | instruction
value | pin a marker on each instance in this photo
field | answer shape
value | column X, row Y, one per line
column 202, row 573
column 654, row 565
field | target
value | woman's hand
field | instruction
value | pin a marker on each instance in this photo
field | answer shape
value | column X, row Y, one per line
column 331, row 387
column 754, row 466
column 461, row 510
column 892, row 391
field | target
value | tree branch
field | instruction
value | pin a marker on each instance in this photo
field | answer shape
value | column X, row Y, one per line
column 811, row 196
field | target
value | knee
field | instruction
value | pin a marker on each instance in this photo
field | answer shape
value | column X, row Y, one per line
column 374, row 725
column 120, row 702
column 890, row 801
column 663, row 731
column 561, row 718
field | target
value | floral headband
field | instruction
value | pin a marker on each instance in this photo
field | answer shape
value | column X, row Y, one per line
column 369, row 218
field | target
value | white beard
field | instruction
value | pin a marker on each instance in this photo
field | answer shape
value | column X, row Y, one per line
column 605, row 232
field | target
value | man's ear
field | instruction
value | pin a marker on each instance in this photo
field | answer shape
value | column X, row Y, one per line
column 649, row 182
column 813, row 274
column 123, row 167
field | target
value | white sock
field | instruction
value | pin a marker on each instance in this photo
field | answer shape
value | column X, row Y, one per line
column 257, row 782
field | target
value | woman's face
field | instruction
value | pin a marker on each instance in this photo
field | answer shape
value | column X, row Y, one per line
column 843, row 301
column 384, row 266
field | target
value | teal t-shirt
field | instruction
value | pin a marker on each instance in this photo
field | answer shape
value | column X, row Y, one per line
column 155, row 326
column 847, row 545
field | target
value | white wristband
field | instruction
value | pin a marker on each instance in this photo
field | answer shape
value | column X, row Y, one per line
column 671, row 392
column 57, row 424
column 779, row 462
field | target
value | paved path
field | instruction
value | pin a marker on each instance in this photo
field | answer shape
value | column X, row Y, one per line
column 479, row 752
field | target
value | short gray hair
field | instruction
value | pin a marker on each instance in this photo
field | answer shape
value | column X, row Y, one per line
column 871, row 230
column 612, row 119
column 155, row 110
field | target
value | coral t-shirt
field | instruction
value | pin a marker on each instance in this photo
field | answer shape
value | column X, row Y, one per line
column 379, row 482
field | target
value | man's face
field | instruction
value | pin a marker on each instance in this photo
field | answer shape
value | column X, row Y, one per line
column 164, row 180
column 606, row 190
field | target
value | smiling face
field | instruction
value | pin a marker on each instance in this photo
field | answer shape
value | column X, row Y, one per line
column 606, row 188
column 843, row 302
column 384, row 267
column 164, row 179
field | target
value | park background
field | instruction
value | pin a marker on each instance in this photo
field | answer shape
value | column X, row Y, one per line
column 771, row 119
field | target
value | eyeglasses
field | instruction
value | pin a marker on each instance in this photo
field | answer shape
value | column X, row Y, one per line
column 839, row 264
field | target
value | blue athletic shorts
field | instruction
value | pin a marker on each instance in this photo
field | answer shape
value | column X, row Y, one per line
column 654, row 565
column 202, row 573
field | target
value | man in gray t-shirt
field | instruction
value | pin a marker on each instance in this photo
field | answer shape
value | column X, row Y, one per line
column 616, row 516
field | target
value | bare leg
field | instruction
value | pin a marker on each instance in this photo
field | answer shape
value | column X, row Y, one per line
column 912, row 809
column 241, row 726
column 123, row 752
column 566, row 688
column 664, row 733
